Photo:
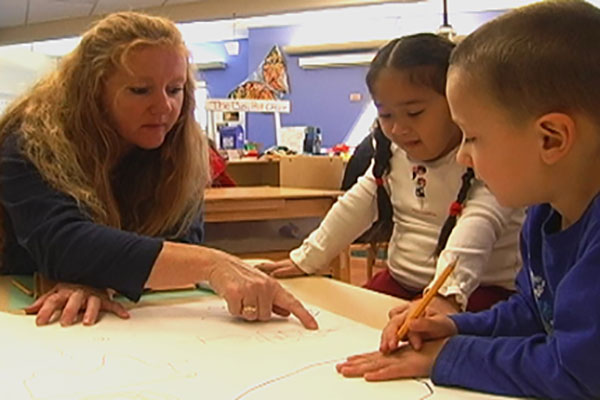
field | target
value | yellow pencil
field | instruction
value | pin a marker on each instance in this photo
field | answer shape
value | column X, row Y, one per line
column 22, row 287
column 420, row 308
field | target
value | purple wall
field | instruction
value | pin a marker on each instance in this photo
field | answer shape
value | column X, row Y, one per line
column 318, row 97
column 221, row 81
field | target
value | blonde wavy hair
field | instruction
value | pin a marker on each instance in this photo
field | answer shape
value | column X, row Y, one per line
column 65, row 132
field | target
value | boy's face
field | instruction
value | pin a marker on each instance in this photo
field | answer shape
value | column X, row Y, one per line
column 503, row 153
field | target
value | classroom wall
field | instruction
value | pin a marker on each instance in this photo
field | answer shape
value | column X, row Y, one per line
column 221, row 81
column 318, row 97
column 19, row 69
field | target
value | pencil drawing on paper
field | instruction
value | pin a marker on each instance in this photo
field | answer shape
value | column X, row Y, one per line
column 180, row 351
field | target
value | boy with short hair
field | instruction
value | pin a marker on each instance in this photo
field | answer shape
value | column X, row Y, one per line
column 525, row 90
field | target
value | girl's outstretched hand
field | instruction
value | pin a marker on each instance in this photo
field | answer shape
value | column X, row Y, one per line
column 435, row 324
column 70, row 300
column 281, row 269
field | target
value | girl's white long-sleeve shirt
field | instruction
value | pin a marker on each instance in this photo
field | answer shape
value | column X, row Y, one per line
column 485, row 237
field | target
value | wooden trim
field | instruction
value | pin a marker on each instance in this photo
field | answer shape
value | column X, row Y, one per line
column 267, row 192
column 260, row 210
column 334, row 47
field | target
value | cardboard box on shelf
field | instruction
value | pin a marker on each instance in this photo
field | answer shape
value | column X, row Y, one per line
column 305, row 171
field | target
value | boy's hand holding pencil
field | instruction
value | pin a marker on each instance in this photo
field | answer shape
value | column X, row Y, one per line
column 410, row 323
column 437, row 326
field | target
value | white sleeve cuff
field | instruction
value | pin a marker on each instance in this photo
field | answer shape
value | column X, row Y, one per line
column 299, row 257
column 459, row 296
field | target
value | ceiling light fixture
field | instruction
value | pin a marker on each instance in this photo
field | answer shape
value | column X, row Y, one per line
column 446, row 30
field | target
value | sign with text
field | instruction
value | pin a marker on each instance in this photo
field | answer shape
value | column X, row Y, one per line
column 279, row 106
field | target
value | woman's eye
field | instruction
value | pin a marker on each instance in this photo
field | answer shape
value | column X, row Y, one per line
column 384, row 116
column 468, row 139
column 138, row 90
column 175, row 90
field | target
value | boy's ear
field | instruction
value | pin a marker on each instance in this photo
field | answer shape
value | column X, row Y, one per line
column 556, row 132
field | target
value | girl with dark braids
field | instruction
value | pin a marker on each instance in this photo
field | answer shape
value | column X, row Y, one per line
column 437, row 209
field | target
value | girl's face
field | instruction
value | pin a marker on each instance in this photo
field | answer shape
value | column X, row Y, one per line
column 145, row 100
column 414, row 116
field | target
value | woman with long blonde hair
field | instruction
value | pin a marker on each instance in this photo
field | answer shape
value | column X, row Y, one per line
column 102, row 175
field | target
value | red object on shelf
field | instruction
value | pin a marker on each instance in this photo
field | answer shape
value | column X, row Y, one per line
column 251, row 153
column 219, row 176
column 340, row 148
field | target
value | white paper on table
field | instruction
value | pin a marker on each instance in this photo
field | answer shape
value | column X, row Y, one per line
column 193, row 351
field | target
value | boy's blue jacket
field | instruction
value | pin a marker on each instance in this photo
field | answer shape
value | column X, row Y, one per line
column 545, row 340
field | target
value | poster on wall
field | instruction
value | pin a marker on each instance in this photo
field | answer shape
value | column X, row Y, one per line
column 268, row 82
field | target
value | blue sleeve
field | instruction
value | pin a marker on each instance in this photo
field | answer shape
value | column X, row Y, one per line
column 195, row 234
column 61, row 241
column 561, row 365
column 516, row 316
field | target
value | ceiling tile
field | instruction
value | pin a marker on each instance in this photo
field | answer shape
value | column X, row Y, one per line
column 12, row 12
column 107, row 6
column 48, row 10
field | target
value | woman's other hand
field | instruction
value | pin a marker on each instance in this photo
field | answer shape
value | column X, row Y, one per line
column 71, row 300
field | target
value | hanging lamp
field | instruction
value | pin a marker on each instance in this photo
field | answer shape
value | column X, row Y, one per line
column 446, row 30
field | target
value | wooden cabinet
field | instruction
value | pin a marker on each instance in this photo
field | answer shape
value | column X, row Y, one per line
column 267, row 222
column 301, row 171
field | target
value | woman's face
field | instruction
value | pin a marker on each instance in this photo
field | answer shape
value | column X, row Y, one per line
column 144, row 98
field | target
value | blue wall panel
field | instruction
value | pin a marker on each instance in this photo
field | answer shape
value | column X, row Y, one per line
column 318, row 97
column 221, row 81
